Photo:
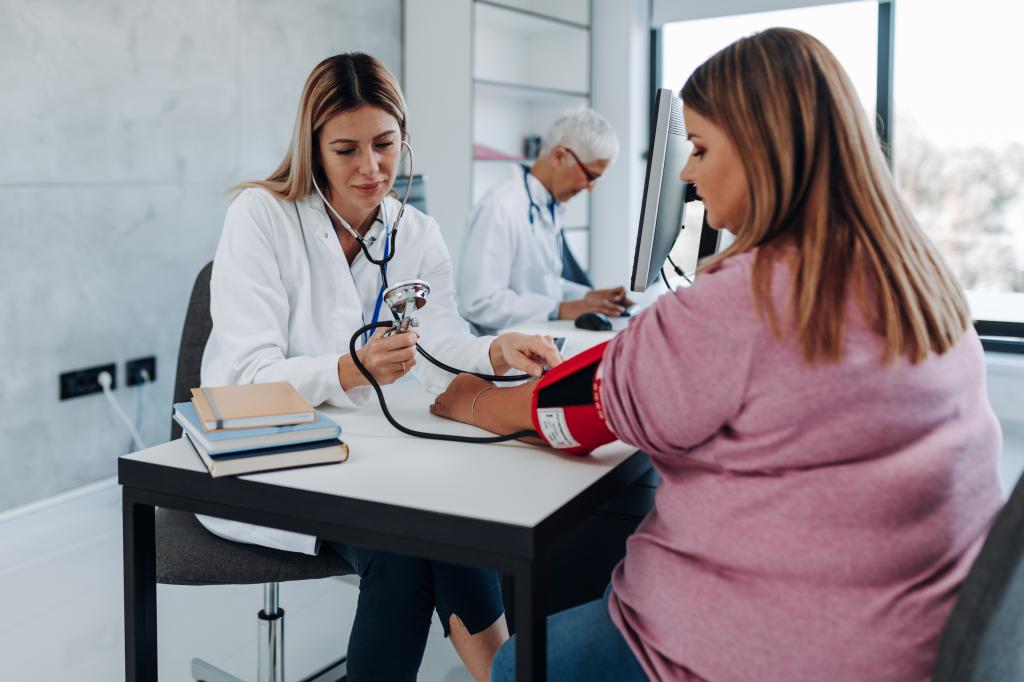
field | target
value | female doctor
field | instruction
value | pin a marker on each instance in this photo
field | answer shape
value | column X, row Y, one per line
column 292, row 282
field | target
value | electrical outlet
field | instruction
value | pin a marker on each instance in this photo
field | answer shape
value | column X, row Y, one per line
column 133, row 370
column 85, row 381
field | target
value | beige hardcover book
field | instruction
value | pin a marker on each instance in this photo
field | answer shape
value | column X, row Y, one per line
column 251, row 405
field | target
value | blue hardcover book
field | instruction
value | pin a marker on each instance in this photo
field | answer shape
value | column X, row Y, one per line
column 237, row 440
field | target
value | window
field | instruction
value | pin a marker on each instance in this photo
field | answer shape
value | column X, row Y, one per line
column 958, row 143
column 849, row 29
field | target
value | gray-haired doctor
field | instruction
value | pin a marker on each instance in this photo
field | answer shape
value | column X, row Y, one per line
column 511, row 266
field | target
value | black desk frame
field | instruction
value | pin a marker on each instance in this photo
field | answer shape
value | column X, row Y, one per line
column 518, row 552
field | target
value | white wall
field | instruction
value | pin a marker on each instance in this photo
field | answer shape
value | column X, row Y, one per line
column 438, row 90
column 620, row 91
column 122, row 124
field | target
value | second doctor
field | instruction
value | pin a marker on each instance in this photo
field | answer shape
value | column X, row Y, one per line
column 511, row 270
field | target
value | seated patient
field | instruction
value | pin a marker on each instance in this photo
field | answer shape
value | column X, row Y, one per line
column 815, row 405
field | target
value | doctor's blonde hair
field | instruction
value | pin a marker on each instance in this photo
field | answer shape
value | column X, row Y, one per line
column 337, row 84
column 817, row 181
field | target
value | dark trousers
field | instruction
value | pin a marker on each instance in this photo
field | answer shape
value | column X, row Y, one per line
column 397, row 597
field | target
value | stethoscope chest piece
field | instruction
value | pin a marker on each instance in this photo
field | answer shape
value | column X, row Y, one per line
column 404, row 299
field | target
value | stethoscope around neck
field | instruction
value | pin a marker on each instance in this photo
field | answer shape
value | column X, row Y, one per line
column 534, row 206
column 554, row 265
column 390, row 235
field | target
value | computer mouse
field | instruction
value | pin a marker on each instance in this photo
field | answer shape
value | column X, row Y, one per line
column 596, row 322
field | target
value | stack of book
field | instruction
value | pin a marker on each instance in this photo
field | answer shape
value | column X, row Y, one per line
column 257, row 427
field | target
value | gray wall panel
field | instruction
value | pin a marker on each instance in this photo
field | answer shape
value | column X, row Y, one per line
column 122, row 125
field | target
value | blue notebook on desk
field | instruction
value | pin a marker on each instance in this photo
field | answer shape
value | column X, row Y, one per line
column 236, row 440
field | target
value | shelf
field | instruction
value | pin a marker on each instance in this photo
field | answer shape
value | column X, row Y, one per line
column 531, row 62
column 538, row 91
column 503, row 117
column 517, row 161
column 512, row 47
column 574, row 13
column 523, row 22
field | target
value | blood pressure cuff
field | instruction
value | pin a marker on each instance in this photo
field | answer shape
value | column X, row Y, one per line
column 567, row 405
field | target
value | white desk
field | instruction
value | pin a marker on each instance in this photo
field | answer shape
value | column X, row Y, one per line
column 497, row 506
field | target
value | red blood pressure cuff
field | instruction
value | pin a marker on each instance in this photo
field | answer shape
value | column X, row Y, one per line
column 567, row 405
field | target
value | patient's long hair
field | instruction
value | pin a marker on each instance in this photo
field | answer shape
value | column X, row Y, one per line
column 340, row 83
column 818, row 181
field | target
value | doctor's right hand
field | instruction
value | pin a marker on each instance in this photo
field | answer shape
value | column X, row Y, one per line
column 611, row 302
column 388, row 359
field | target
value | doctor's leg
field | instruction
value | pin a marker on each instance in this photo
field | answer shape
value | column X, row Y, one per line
column 396, row 603
column 469, row 604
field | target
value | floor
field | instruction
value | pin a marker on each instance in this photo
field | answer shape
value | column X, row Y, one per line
column 60, row 581
column 60, row 584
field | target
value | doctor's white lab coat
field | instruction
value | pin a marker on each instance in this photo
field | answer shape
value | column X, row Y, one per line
column 511, row 271
column 285, row 302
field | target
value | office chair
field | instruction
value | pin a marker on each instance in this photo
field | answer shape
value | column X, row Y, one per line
column 571, row 268
column 983, row 640
column 188, row 554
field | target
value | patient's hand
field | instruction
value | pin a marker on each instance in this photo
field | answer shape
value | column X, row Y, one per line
column 457, row 401
column 499, row 410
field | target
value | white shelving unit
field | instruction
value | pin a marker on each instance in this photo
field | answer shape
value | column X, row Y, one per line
column 531, row 61
column 509, row 68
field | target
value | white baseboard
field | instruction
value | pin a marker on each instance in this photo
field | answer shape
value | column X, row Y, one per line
column 58, row 499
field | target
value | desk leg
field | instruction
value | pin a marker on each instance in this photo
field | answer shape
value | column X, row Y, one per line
column 529, row 588
column 138, row 531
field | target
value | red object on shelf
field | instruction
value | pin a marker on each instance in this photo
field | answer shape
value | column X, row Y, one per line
column 485, row 153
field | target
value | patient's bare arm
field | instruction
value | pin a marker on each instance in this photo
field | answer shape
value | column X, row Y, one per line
column 473, row 400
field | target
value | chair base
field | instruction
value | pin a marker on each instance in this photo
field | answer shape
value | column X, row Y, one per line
column 205, row 672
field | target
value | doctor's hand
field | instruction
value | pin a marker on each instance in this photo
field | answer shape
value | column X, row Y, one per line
column 616, row 295
column 526, row 353
column 611, row 302
column 388, row 359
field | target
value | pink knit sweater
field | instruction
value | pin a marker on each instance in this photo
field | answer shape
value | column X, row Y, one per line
column 813, row 522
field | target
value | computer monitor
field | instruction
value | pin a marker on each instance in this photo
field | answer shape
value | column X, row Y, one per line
column 663, row 210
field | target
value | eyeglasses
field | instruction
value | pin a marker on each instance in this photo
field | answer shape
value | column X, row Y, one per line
column 590, row 175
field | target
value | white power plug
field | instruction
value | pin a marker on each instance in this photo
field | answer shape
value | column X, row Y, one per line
column 106, row 381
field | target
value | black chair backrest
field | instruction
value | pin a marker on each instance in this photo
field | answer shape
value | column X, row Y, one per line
column 571, row 268
column 194, row 334
column 984, row 636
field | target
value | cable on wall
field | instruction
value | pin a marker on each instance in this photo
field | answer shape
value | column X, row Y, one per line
column 105, row 381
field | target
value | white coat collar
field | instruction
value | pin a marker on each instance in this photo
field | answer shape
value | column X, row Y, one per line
column 312, row 203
